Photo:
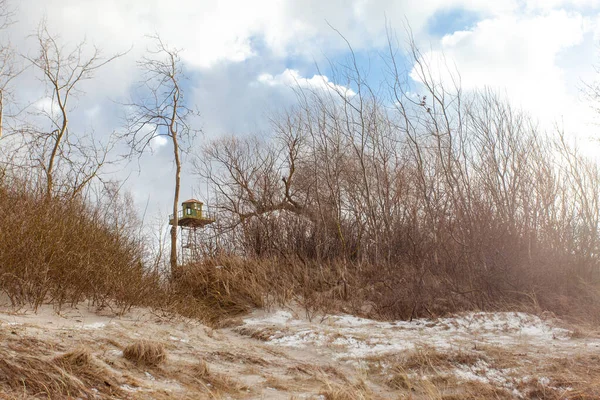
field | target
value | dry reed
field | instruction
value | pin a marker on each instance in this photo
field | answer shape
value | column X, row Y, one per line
column 145, row 353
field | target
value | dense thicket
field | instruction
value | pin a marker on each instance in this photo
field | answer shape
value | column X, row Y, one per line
column 67, row 250
column 430, row 202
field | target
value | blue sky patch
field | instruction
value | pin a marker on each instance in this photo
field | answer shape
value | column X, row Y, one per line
column 448, row 21
column 374, row 67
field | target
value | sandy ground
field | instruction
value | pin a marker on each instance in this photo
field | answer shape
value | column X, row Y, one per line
column 282, row 355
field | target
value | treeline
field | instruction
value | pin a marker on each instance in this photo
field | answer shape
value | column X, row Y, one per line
column 423, row 203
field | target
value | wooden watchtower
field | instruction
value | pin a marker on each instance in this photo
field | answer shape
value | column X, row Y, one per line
column 190, row 218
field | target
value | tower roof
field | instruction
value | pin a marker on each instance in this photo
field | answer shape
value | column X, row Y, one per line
column 192, row 201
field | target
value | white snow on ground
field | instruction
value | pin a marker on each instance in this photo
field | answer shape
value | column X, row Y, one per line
column 277, row 318
column 95, row 325
column 483, row 372
column 350, row 337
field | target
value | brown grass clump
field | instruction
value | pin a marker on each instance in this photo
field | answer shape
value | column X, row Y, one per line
column 320, row 372
column 201, row 370
column 399, row 379
column 145, row 352
column 428, row 373
column 237, row 358
column 82, row 363
column 356, row 391
column 430, row 360
column 32, row 375
column 219, row 289
column 74, row 374
column 200, row 374
column 443, row 386
column 218, row 382
column 80, row 358
column 471, row 390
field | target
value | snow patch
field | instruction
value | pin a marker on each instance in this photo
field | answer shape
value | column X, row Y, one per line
column 176, row 339
column 484, row 373
column 278, row 318
column 128, row 388
column 350, row 337
column 95, row 325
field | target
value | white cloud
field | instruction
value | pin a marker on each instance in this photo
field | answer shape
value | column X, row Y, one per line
column 522, row 55
column 212, row 32
column 46, row 105
column 553, row 4
column 158, row 141
column 292, row 78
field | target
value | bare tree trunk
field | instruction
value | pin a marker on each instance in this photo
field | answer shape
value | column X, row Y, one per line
column 173, row 258
column 1, row 110
column 60, row 133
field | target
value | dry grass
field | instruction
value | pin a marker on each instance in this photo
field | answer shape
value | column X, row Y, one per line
column 66, row 250
column 218, row 290
column 427, row 373
column 35, row 376
column 237, row 358
column 428, row 359
column 221, row 289
column 430, row 374
column 259, row 333
column 576, row 377
column 73, row 374
column 355, row 391
column 321, row 372
column 470, row 390
column 424, row 374
column 200, row 375
column 146, row 353
column 93, row 372
column 423, row 360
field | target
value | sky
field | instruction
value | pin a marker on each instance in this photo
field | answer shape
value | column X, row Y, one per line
column 243, row 57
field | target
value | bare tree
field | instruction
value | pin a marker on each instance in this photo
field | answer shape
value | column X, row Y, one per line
column 9, row 69
column 69, row 161
column 160, row 110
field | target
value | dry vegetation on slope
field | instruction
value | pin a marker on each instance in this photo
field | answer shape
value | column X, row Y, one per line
column 89, row 257
column 85, row 353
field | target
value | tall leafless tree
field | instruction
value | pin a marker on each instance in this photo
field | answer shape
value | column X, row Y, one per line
column 9, row 68
column 159, row 110
column 69, row 161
